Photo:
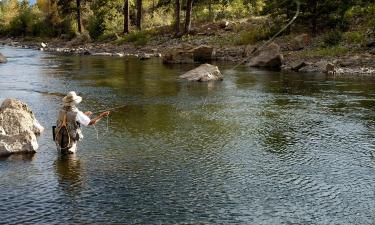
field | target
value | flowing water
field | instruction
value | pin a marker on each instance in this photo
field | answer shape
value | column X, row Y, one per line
column 258, row 148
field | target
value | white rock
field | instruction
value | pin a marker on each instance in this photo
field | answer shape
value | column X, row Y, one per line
column 3, row 59
column 18, row 128
column 204, row 72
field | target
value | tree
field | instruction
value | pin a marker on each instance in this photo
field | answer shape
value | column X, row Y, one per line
column 177, row 17
column 79, row 20
column 126, row 16
column 189, row 8
column 139, row 14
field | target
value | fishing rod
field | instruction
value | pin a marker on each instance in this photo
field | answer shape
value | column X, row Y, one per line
column 110, row 109
column 272, row 38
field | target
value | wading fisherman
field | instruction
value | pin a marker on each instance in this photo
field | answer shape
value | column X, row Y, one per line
column 68, row 129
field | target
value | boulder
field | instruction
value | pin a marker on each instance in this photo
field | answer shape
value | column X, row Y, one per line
column 188, row 54
column 371, row 44
column 269, row 57
column 223, row 24
column 178, row 56
column 300, row 41
column 297, row 66
column 204, row 72
column 230, row 26
column 18, row 128
column 330, row 68
column 203, row 53
column 3, row 59
column 317, row 67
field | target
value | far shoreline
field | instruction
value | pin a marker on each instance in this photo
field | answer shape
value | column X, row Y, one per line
column 359, row 63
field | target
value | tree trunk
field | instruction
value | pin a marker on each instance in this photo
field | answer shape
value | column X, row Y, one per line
column 189, row 7
column 139, row 15
column 177, row 17
column 314, row 15
column 210, row 11
column 126, row 16
column 79, row 20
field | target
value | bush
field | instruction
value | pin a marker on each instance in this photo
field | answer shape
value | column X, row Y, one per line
column 254, row 35
column 137, row 37
column 354, row 37
column 96, row 26
column 332, row 38
column 323, row 52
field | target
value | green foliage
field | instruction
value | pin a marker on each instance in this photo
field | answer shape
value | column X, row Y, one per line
column 254, row 35
column 106, row 18
column 324, row 52
column 354, row 37
column 136, row 37
column 226, row 9
column 96, row 26
column 332, row 38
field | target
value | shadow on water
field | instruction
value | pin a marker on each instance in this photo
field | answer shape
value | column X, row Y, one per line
column 69, row 172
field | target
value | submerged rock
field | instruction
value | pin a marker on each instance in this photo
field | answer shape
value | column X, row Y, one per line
column 204, row 72
column 3, row 59
column 269, row 57
column 18, row 128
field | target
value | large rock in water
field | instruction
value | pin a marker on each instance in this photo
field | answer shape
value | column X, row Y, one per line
column 269, row 57
column 3, row 59
column 204, row 72
column 18, row 128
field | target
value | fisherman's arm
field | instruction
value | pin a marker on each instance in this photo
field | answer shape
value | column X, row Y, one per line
column 88, row 113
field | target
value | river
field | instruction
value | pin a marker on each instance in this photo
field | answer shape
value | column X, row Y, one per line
column 258, row 148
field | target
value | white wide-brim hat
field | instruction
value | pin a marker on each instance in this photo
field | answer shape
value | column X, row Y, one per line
column 72, row 99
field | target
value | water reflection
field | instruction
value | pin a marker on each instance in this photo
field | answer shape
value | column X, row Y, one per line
column 68, row 169
column 19, row 157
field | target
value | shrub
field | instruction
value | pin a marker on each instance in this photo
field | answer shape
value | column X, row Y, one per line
column 354, row 37
column 96, row 26
column 137, row 37
column 322, row 52
column 332, row 38
column 254, row 35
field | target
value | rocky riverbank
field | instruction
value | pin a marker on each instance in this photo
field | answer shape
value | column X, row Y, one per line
column 298, row 53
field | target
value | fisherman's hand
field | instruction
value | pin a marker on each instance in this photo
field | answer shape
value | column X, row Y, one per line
column 88, row 113
column 104, row 114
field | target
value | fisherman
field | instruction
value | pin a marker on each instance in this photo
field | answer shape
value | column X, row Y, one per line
column 68, row 130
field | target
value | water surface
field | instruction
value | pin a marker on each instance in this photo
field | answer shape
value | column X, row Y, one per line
column 258, row 148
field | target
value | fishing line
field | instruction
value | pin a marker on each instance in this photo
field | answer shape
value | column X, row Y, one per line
column 256, row 50
column 97, row 133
